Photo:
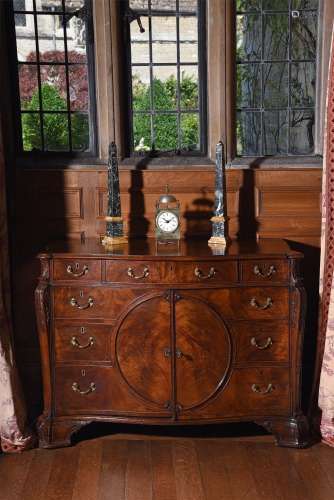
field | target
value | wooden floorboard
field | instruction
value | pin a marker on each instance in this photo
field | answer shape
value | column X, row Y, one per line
column 124, row 467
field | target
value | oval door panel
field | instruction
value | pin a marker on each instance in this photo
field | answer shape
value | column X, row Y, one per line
column 142, row 344
column 203, row 351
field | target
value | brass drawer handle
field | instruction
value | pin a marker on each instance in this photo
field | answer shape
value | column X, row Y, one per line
column 167, row 352
column 178, row 353
column 259, row 272
column 266, row 305
column 84, row 271
column 199, row 274
column 76, row 388
column 75, row 303
column 76, row 343
column 256, row 388
column 132, row 275
column 267, row 344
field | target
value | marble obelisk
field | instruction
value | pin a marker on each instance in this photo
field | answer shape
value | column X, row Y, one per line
column 114, row 232
column 219, row 218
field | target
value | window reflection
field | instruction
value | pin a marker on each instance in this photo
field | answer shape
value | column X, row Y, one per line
column 276, row 76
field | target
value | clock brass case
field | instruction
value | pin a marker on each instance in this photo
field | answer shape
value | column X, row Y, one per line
column 167, row 203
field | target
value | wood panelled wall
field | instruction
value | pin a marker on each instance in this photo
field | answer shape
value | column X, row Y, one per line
column 61, row 204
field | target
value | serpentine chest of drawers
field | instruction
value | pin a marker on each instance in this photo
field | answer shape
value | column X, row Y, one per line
column 157, row 335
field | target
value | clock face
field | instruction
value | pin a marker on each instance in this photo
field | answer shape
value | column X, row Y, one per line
column 167, row 221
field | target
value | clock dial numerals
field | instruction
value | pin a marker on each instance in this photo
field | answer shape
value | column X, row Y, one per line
column 167, row 222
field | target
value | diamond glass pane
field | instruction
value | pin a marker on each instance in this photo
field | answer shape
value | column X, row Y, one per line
column 80, row 131
column 302, row 84
column 78, row 87
column 138, row 4
column 304, row 36
column 275, row 132
column 275, row 85
column 164, row 87
column 141, row 89
column 275, row 4
column 25, row 38
column 248, row 5
column 249, row 133
column 31, row 132
column 249, row 43
column 50, row 5
column 28, row 84
column 188, row 6
column 142, row 133
column 50, row 39
column 190, row 131
column 56, row 135
column 305, row 4
column 248, row 85
column 276, row 36
column 54, row 87
column 302, row 132
column 163, row 5
column 165, row 132
column 189, row 87
column 73, row 5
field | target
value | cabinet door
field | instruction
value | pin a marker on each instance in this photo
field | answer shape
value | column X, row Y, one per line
column 203, row 351
column 143, row 350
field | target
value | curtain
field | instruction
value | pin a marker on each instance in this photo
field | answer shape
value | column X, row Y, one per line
column 14, row 434
column 326, row 333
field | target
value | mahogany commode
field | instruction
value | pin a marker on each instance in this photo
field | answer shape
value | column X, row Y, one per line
column 171, row 335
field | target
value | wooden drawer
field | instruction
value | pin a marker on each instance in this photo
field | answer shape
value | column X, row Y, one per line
column 92, row 302
column 264, row 271
column 93, row 390
column 89, row 342
column 245, row 303
column 131, row 271
column 262, row 390
column 77, row 269
column 205, row 272
column 259, row 341
column 250, row 392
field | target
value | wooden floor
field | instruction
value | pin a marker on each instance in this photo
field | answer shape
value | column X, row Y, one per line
column 124, row 467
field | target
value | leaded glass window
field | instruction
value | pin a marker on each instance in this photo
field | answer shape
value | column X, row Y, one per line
column 276, row 47
column 166, row 67
column 55, row 77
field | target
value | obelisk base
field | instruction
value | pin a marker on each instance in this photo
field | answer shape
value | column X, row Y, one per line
column 217, row 240
column 111, row 241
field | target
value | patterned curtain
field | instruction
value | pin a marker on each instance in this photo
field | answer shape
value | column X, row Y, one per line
column 326, row 334
column 14, row 435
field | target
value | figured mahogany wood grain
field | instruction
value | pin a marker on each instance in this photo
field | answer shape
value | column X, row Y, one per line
column 203, row 352
column 107, row 302
column 142, row 271
column 144, row 350
column 111, row 396
column 236, row 303
column 78, row 266
column 270, row 271
column 211, row 272
column 237, row 399
column 97, row 338
column 277, row 351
